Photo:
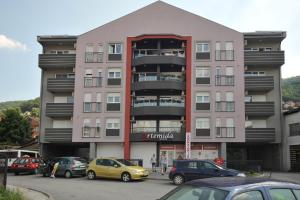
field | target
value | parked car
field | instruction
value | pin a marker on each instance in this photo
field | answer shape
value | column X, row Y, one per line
column 115, row 169
column 68, row 167
column 235, row 188
column 186, row 170
column 26, row 165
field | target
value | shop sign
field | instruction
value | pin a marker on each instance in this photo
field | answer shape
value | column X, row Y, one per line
column 157, row 136
column 188, row 145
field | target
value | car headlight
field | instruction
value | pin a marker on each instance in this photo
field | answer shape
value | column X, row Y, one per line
column 241, row 175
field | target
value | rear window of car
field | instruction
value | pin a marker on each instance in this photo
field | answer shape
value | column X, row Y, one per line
column 80, row 160
column 196, row 193
column 282, row 194
column 21, row 161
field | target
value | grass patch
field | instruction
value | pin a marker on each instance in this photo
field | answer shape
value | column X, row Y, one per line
column 10, row 194
column 254, row 174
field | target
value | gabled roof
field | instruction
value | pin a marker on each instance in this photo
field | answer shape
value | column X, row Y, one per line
column 160, row 8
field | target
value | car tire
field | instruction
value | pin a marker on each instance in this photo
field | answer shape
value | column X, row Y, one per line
column 91, row 175
column 125, row 177
column 68, row 174
column 178, row 179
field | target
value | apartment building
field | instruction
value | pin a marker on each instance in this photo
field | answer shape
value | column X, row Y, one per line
column 158, row 81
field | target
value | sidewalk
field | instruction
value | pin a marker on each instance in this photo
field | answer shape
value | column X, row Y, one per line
column 158, row 176
column 30, row 194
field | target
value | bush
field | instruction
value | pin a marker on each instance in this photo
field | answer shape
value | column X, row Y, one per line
column 10, row 194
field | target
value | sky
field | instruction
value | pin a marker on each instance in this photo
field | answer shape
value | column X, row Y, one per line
column 22, row 20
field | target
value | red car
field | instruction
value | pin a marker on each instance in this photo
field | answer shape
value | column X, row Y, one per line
column 26, row 165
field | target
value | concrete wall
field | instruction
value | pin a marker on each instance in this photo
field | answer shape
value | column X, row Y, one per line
column 289, row 140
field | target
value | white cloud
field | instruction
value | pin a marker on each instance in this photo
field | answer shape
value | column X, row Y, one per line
column 9, row 43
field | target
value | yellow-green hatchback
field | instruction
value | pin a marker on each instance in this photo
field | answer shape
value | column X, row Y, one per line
column 115, row 169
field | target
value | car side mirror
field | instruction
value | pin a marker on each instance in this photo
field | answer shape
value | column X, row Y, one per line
column 116, row 166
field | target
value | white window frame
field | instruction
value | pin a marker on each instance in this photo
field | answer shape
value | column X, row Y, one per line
column 202, row 97
column 202, row 72
column 203, row 47
column 114, row 71
column 202, row 123
column 114, row 97
column 112, row 50
column 112, row 123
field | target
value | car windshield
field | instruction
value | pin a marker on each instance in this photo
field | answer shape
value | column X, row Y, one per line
column 125, row 162
column 197, row 193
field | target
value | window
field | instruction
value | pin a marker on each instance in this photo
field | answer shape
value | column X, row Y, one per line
column 87, row 103
column 251, row 195
column 113, row 98
column 202, row 123
column 97, row 128
column 141, row 126
column 88, row 78
column 218, row 102
column 98, row 102
column 254, row 73
column 114, row 73
column 218, row 76
column 202, row 47
column 202, row 51
column 86, row 127
column 113, row 123
column 92, row 56
column 297, row 193
column 229, row 102
column 229, row 78
column 202, row 97
column 294, row 129
column 229, row 127
column 279, row 194
column 229, row 50
column 203, row 75
column 115, row 48
column 89, row 49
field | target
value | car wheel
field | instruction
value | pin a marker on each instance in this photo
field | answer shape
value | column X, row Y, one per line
column 126, row 177
column 178, row 179
column 91, row 175
column 68, row 174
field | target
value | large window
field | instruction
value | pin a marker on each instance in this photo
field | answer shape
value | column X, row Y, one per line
column 202, row 126
column 280, row 194
column 141, row 126
column 86, row 128
column 93, row 56
column 229, row 102
column 113, row 102
column 202, row 101
column 87, row 105
column 115, row 52
column 112, row 127
column 114, row 77
column 202, row 50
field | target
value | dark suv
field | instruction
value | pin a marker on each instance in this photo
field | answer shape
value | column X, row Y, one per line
column 186, row 170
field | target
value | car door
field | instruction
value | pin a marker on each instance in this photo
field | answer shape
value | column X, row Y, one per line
column 190, row 170
column 60, row 169
column 114, row 169
column 101, row 168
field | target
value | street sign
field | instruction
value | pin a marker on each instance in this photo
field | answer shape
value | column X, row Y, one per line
column 188, row 145
column 3, row 170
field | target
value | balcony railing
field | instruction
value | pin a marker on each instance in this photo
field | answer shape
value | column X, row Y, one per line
column 58, row 135
column 224, row 80
column 225, row 132
column 264, row 58
column 224, row 55
column 141, row 77
column 93, row 57
column 259, row 108
column 92, row 82
column 54, row 61
column 91, row 132
column 259, row 83
column 158, row 52
column 260, row 134
column 224, row 106
column 161, row 102
column 60, row 84
column 59, row 109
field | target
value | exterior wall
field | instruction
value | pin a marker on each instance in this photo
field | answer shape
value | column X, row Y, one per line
column 289, row 140
column 109, row 150
column 157, row 18
column 48, row 97
column 143, row 150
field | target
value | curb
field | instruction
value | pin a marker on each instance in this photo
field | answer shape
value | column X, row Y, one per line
column 35, row 190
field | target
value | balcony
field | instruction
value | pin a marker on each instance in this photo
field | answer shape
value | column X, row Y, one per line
column 159, row 108
column 158, row 56
column 265, row 109
column 273, row 58
column 260, row 134
column 259, row 83
column 55, row 61
column 60, row 84
column 59, row 109
column 58, row 135
column 158, row 81
column 140, row 134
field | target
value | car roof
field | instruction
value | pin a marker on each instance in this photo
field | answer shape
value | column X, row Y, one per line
column 186, row 160
column 230, row 183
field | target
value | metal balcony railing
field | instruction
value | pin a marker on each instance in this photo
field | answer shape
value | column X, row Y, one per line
column 158, row 52
column 93, row 57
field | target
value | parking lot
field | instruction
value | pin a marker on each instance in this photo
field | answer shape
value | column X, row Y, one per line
column 82, row 188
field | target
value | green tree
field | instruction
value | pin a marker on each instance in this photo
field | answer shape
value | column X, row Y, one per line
column 27, row 106
column 15, row 128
